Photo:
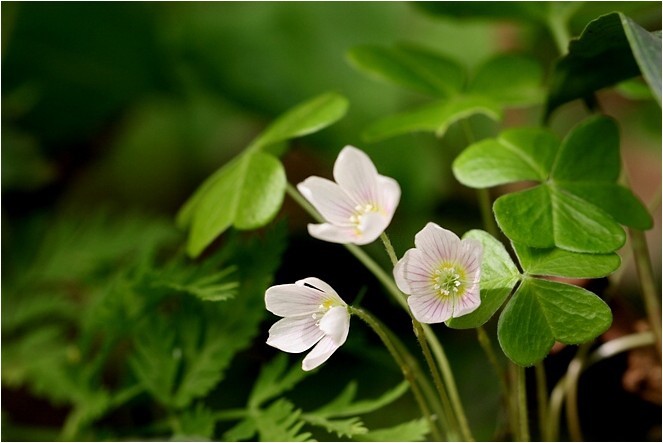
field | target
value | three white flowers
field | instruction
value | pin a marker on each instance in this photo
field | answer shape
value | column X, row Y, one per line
column 441, row 274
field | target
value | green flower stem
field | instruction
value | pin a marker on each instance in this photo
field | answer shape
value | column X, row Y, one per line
column 483, row 194
column 542, row 397
column 649, row 292
column 437, row 380
column 571, row 385
column 560, row 33
column 521, row 395
column 409, row 372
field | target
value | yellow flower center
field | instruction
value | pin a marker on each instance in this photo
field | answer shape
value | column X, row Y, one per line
column 449, row 280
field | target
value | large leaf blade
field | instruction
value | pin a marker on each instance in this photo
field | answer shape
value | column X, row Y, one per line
column 542, row 312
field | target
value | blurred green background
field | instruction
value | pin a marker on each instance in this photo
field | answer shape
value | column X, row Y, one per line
column 127, row 107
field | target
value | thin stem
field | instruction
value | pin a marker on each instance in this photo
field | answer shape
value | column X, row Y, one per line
column 646, row 275
column 560, row 33
column 542, row 397
column 606, row 350
column 487, row 217
column 521, row 394
column 389, row 248
column 437, row 380
column 571, row 392
column 408, row 371
column 487, row 346
column 483, row 194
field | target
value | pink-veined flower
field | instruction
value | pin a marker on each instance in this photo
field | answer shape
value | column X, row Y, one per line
column 441, row 275
column 314, row 314
column 358, row 207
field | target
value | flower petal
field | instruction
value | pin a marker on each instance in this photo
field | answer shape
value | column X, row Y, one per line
column 372, row 225
column 470, row 253
column 328, row 291
column 356, row 174
column 319, row 354
column 336, row 324
column 294, row 334
column 332, row 202
column 391, row 195
column 332, row 233
column 430, row 308
column 292, row 300
column 437, row 243
column 414, row 273
column 469, row 302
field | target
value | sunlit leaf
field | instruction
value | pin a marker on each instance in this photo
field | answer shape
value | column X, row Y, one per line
column 434, row 117
column 499, row 276
column 410, row 67
column 542, row 312
column 511, row 80
column 305, row 118
column 516, row 155
column 248, row 191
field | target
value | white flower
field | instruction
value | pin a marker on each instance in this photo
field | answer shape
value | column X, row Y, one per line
column 358, row 207
column 313, row 313
column 441, row 275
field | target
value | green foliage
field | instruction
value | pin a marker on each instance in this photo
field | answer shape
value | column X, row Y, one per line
column 415, row 430
column 578, row 204
column 121, row 302
column 611, row 49
column 281, row 420
column 248, row 191
column 540, row 312
column 502, row 81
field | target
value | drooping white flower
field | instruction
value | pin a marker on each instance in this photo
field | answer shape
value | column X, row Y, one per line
column 358, row 207
column 314, row 314
column 441, row 275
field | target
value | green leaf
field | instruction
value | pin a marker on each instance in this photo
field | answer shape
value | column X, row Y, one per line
column 616, row 200
column 547, row 216
column 155, row 361
column 509, row 79
column 516, row 155
column 210, row 287
column 349, row 427
column 281, row 422
column 415, row 430
column 499, row 275
column 646, row 47
column 305, row 118
column 274, row 380
column 246, row 193
column 342, row 405
column 589, row 153
column 561, row 263
column 578, row 205
column 611, row 49
column 410, row 67
column 434, row 117
column 542, row 312
column 195, row 424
